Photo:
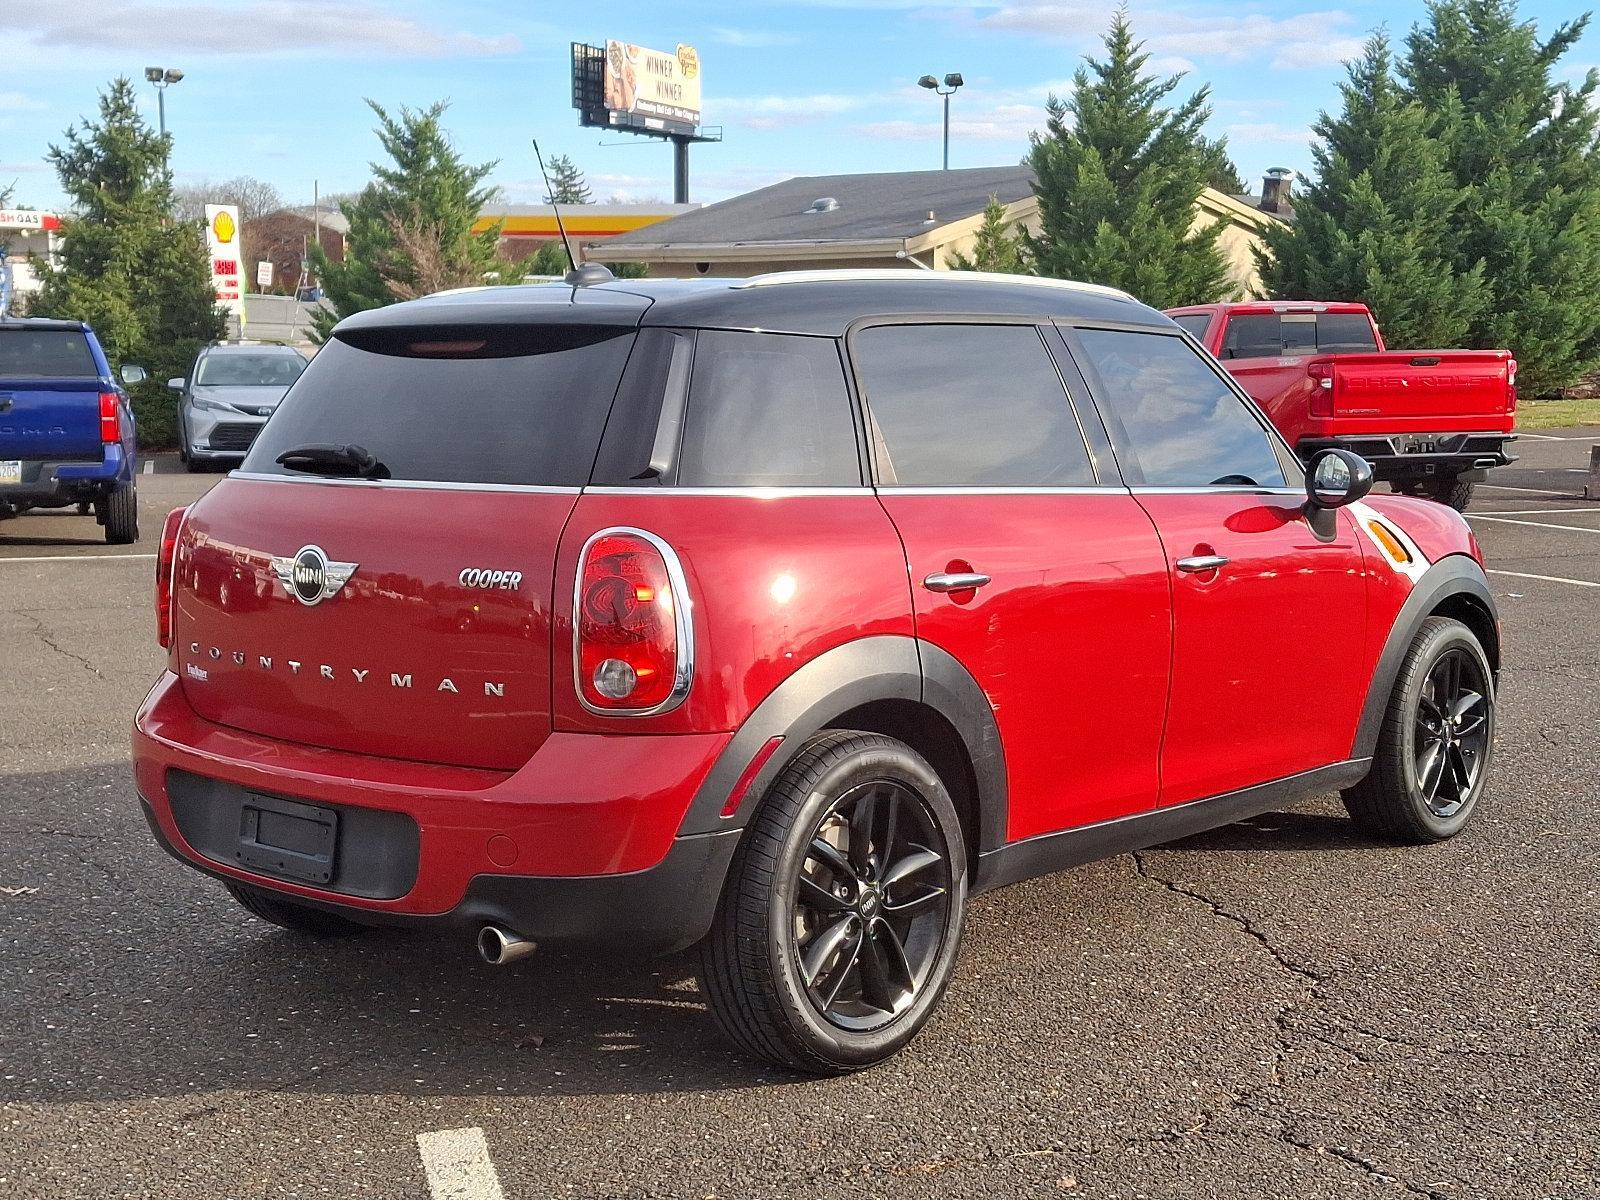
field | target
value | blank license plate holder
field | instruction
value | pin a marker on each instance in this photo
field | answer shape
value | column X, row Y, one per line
column 287, row 839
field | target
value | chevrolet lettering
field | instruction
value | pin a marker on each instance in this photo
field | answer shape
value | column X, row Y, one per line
column 842, row 597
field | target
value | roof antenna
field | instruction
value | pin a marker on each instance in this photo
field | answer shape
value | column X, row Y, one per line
column 576, row 276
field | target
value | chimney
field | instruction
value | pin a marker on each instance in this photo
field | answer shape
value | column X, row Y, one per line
column 1275, row 191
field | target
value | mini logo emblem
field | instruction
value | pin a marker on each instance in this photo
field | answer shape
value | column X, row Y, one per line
column 310, row 577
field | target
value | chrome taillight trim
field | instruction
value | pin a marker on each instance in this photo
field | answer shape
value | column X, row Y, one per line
column 682, row 616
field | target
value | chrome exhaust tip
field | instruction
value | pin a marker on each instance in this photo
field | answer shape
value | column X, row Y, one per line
column 498, row 947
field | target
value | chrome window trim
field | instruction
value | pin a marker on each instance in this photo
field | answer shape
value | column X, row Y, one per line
column 1229, row 489
column 754, row 491
column 1104, row 489
column 683, row 624
column 430, row 485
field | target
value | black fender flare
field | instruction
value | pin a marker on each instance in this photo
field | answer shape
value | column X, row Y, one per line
column 1453, row 575
column 883, row 667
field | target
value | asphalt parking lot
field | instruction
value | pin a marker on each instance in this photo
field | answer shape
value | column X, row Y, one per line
column 1281, row 1008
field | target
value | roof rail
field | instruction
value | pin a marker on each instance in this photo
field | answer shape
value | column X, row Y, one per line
column 774, row 278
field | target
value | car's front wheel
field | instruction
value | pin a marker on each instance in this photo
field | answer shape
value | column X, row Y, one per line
column 838, row 928
column 1436, row 741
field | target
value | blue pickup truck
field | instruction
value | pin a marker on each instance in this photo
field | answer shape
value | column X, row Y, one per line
column 66, row 428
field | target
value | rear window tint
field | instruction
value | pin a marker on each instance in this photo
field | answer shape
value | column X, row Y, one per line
column 1195, row 323
column 497, row 405
column 1274, row 335
column 768, row 410
column 45, row 354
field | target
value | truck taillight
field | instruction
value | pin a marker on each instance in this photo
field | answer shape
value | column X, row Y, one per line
column 1321, row 403
column 165, row 559
column 633, row 638
column 1511, row 386
column 110, row 418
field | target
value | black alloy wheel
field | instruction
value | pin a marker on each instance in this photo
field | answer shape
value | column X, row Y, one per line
column 1452, row 732
column 1436, row 741
column 871, row 900
column 838, row 928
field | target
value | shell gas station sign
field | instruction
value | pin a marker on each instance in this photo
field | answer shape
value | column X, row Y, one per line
column 227, row 257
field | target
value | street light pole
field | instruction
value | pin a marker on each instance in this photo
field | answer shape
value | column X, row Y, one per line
column 952, row 81
column 162, row 78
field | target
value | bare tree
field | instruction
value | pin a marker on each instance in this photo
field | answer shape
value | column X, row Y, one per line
column 255, row 197
column 425, row 257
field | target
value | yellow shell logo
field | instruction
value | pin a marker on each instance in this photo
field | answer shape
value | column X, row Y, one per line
column 222, row 226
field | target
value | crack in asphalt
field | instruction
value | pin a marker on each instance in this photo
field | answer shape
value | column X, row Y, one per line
column 41, row 631
column 1313, row 988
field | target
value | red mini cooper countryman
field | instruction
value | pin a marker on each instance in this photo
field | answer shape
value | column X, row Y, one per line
column 780, row 616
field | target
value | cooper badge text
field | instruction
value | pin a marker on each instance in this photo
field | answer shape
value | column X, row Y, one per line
column 310, row 577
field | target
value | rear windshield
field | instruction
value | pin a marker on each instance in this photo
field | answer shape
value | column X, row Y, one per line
column 45, row 354
column 249, row 370
column 1275, row 335
column 494, row 405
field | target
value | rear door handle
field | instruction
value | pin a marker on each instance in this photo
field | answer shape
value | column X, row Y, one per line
column 1202, row 562
column 958, row 581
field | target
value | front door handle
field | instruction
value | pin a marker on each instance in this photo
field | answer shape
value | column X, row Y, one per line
column 1202, row 562
column 955, row 581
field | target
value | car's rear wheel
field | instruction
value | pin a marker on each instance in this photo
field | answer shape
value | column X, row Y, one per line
column 1448, row 490
column 286, row 914
column 837, row 931
column 1436, row 741
column 119, row 513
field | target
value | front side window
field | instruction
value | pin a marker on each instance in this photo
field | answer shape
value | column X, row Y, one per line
column 1180, row 423
column 968, row 406
column 767, row 410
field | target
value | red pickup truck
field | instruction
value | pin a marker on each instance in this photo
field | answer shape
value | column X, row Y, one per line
column 1429, row 421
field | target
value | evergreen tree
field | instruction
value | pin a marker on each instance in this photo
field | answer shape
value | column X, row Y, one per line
column 1118, row 175
column 142, row 280
column 1221, row 173
column 997, row 247
column 411, row 227
column 1521, row 147
column 567, row 184
column 1376, row 223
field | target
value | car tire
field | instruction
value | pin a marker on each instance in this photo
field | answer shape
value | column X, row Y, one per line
column 1452, row 492
column 286, row 914
column 1436, row 742
column 119, row 513
column 838, row 928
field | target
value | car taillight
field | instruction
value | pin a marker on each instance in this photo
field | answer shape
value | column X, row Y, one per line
column 633, row 638
column 164, row 568
column 110, row 418
column 1321, row 403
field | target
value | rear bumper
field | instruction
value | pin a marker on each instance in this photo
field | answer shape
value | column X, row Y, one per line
column 48, row 484
column 579, row 845
column 1419, row 455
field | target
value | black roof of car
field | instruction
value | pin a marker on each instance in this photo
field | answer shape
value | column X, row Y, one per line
column 41, row 323
column 809, row 302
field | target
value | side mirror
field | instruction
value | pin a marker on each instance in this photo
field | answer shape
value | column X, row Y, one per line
column 131, row 374
column 1335, row 478
column 175, row 384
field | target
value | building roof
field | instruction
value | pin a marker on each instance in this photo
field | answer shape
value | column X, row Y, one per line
column 877, row 207
column 326, row 216
column 1286, row 214
column 823, row 303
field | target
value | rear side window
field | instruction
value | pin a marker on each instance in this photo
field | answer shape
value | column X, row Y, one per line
column 1195, row 324
column 493, row 405
column 45, row 354
column 1180, row 423
column 1276, row 335
column 767, row 410
column 968, row 406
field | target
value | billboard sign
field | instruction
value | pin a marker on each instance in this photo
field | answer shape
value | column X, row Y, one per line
column 653, row 88
column 227, row 266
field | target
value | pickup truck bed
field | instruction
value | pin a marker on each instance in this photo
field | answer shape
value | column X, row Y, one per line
column 1429, row 421
column 66, row 429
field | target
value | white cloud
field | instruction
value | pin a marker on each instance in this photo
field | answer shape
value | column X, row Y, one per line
column 1270, row 133
column 996, row 123
column 784, row 111
column 350, row 27
column 1187, row 35
column 17, row 102
column 753, row 38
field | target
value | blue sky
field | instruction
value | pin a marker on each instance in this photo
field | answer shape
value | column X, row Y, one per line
column 274, row 88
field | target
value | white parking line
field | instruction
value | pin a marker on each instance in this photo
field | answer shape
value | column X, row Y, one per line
column 1532, row 524
column 1536, row 491
column 457, row 1164
column 1593, row 509
column 39, row 558
column 1547, row 578
column 149, row 466
column 1548, row 437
